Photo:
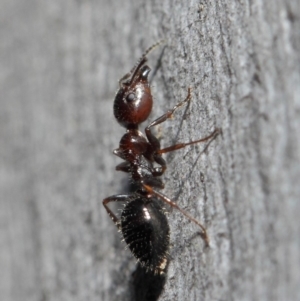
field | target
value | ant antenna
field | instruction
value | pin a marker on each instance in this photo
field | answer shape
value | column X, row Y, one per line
column 143, row 58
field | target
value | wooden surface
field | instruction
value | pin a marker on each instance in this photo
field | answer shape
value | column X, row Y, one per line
column 60, row 65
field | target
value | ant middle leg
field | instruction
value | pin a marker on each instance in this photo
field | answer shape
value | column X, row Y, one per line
column 172, row 204
column 182, row 145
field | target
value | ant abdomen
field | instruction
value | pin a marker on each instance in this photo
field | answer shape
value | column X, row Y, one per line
column 145, row 229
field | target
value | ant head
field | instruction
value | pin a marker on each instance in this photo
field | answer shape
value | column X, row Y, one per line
column 133, row 102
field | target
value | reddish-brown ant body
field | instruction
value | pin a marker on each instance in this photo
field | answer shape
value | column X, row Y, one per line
column 143, row 223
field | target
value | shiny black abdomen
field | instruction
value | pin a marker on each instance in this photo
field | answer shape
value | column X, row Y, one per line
column 145, row 229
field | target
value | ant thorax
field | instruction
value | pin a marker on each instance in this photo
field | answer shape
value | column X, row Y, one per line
column 137, row 152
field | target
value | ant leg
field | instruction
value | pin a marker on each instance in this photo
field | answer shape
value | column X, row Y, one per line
column 154, row 142
column 124, row 166
column 114, row 198
column 171, row 203
column 174, row 147
column 151, row 138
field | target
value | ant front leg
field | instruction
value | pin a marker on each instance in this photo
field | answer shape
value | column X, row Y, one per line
column 154, row 142
column 114, row 198
column 151, row 138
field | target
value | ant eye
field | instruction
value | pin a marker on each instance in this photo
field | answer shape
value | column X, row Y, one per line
column 130, row 97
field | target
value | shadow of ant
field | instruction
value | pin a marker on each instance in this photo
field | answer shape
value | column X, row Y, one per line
column 146, row 286
column 189, row 175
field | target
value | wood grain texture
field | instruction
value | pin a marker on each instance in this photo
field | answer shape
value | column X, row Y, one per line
column 60, row 63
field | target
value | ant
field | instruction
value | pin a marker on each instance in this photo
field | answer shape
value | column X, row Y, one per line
column 143, row 222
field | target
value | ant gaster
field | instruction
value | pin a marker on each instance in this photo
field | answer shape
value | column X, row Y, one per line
column 143, row 222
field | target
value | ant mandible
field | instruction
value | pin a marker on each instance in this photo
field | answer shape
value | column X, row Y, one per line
column 143, row 222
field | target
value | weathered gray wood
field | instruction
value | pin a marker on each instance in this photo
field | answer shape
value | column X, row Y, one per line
column 60, row 62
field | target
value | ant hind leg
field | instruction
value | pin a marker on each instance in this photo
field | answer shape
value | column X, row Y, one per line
column 172, row 204
column 114, row 198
